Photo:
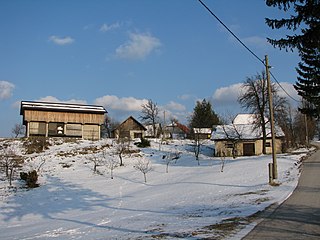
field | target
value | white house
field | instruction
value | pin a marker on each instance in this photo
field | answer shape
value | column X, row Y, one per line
column 243, row 138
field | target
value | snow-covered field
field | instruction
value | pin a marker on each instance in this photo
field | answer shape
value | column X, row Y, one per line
column 188, row 202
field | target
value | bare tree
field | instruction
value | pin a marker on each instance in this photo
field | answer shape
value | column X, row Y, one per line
column 96, row 160
column 149, row 114
column 122, row 146
column 198, row 141
column 234, row 134
column 18, row 130
column 109, row 126
column 197, row 147
column 143, row 165
column 254, row 98
column 170, row 158
column 9, row 161
column 304, row 128
column 223, row 159
column 110, row 162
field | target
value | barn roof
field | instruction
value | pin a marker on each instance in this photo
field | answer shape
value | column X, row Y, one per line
column 60, row 107
column 136, row 121
column 242, row 132
column 182, row 127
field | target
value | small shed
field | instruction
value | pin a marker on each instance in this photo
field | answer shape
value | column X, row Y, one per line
column 130, row 128
column 203, row 133
column 51, row 119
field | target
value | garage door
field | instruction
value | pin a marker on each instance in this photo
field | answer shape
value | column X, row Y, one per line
column 248, row 149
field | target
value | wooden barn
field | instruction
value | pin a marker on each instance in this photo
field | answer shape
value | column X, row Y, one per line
column 130, row 128
column 50, row 119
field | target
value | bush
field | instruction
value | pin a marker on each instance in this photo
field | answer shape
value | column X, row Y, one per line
column 36, row 144
column 143, row 143
column 31, row 178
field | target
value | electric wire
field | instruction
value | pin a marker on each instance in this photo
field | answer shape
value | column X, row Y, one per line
column 245, row 46
column 275, row 79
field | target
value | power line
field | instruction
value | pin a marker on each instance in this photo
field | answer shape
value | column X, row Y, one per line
column 283, row 88
column 225, row 26
column 245, row 46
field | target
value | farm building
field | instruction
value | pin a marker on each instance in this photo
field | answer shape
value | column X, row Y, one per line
column 242, row 138
column 130, row 128
column 176, row 130
column 202, row 133
column 62, row 119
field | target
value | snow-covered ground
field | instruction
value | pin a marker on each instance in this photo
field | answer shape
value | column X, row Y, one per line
column 187, row 202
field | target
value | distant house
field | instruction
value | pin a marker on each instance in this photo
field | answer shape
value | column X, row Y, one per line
column 242, row 138
column 130, row 128
column 203, row 133
column 50, row 119
column 177, row 130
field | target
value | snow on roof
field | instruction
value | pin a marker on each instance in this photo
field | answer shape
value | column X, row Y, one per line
column 242, row 132
column 202, row 130
column 244, row 118
column 182, row 127
column 61, row 107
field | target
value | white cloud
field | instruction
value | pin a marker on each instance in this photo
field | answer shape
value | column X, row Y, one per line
column 288, row 87
column 256, row 41
column 225, row 99
column 61, row 40
column 185, row 97
column 87, row 27
column 138, row 47
column 105, row 27
column 227, row 94
column 173, row 106
column 125, row 104
column 6, row 89
column 54, row 99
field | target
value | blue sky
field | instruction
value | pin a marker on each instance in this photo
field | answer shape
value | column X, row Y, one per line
column 119, row 53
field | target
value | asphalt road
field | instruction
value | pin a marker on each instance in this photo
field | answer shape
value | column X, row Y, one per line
column 299, row 216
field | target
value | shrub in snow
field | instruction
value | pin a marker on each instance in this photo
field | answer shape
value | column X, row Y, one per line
column 36, row 144
column 143, row 165
column 111, row 162
column 10, row 161
column 143, row 143
column 31, row 178
column 170, row 158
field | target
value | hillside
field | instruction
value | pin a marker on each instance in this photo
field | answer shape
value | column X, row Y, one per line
column 188, row 201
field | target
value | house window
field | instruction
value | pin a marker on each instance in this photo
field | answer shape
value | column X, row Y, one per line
column 137, row 135
column 268, row 144
column 229, row 145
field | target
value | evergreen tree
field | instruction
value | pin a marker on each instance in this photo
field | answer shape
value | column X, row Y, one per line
column 307, row 14
column 308, row 84
column 307, row 43
column 203, row 116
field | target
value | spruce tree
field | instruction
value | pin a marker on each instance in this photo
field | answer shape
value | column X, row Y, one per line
column 203, row 115
column 306, row 41
column 308, row 84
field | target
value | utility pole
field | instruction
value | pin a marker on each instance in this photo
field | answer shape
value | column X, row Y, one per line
column 273, row 139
